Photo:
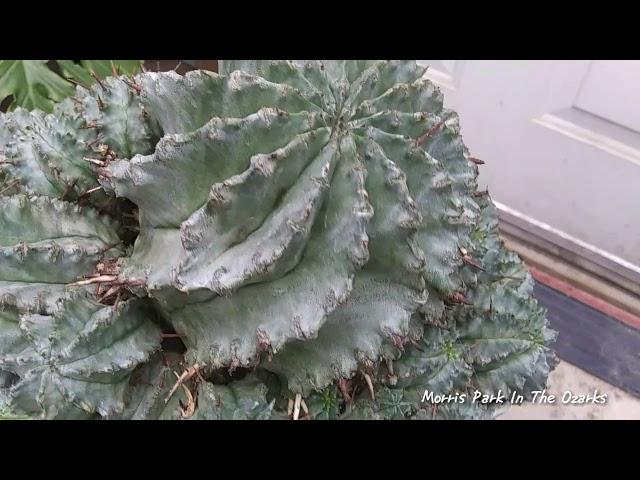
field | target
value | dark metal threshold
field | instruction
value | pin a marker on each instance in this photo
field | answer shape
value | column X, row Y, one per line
column 592, row 340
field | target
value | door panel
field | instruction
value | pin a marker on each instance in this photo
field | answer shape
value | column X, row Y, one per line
column 610, row 90
column 560, row 141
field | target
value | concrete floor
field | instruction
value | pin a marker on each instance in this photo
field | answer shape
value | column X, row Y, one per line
column 619, row 405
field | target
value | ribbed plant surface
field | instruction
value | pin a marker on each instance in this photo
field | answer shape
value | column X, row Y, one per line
column 230, row 245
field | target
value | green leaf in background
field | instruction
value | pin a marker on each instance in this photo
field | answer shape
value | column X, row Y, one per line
column 82, row 72
column 32, row 84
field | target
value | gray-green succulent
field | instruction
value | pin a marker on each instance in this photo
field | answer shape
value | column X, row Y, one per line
column 283, row 239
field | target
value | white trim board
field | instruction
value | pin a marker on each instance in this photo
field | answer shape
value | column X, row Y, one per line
column 559, row 244
column 590, row 137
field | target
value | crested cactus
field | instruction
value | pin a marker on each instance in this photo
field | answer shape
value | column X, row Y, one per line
column 309, row 234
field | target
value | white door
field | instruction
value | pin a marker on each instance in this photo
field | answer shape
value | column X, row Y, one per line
column 561, row 141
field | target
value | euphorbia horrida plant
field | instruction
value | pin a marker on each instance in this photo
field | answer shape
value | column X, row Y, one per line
column 280, row 240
